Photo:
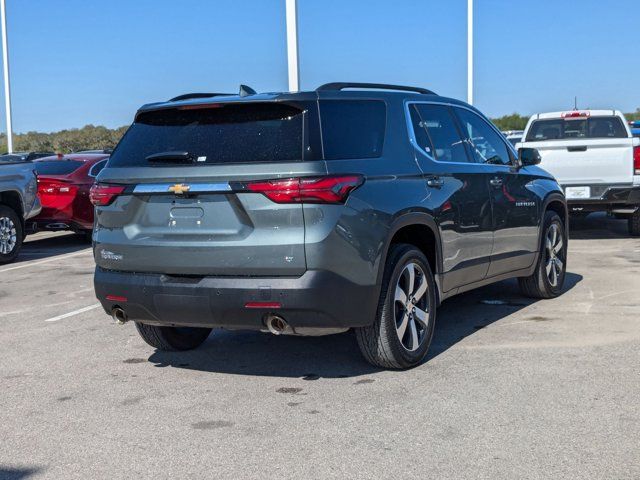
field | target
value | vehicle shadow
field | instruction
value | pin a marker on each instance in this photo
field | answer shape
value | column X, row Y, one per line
column 10, row 473
column 465, row 314
column 44, row 245
column 597, row 226
column 338, row 356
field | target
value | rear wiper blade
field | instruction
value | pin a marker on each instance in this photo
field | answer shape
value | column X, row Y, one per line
column 171, row 157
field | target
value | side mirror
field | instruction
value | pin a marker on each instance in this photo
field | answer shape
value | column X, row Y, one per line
column 529, row 156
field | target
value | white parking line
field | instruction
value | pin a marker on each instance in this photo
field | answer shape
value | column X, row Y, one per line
column 71, row 314
column 40, row 262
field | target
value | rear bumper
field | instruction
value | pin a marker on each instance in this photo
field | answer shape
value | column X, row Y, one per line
column 607, row 197
column 317, row 299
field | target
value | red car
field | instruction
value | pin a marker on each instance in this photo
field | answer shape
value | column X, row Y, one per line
column 63, row 187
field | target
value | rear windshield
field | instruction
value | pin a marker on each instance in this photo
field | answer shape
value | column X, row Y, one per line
column 57, row 167
column 223, row 133
column 352, row 128
column 568, row 129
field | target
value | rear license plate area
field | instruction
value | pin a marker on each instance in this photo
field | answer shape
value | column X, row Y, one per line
column 577, row 193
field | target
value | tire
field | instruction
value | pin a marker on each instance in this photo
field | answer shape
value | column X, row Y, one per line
column 634, row 223
column 381, row 343
column 548, row 283
column 172, row 339
column 11, row 234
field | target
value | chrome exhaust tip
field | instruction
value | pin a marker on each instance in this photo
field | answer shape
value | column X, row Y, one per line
column 119, row 315
column 276, row 324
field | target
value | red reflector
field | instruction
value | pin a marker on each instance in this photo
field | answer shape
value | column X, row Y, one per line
column 308, row 189
column 575, row 114
column 636, row 160
column 262, row 305
column 116, row 298
column 102, row 194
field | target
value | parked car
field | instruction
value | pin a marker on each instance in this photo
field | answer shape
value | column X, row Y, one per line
column 514, row 136
column 594, row 157
column 18, row 202
column 353, row 206
column 64, row 183
column 23, row 156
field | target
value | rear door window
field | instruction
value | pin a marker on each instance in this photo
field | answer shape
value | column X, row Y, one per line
column 57, row 167
column 215, row 134
column 438, row 124
column 97, row 168
column 576, row 128
column 487, row 145
column 352, row 128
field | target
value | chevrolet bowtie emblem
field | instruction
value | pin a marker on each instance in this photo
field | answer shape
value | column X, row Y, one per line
column 179, row 188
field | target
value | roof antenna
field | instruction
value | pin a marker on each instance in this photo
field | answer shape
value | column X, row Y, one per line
column 244, row 91
column 575, row 103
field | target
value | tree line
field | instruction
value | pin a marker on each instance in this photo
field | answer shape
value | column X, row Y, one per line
column 89, row 137
column 92, row 137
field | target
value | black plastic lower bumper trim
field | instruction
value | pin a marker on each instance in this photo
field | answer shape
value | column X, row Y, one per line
column 316, row 299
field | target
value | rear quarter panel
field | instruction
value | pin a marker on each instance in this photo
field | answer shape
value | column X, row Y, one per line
column 19, row 178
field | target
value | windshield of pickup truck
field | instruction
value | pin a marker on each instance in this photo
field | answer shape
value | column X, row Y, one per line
column 582, row 128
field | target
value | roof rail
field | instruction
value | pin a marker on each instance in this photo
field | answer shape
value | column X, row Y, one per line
column 380, row 86
column 187, row 96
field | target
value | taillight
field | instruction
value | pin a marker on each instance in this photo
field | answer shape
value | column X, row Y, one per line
column 307, row 189
column 47, row 187
column 102, row 194
column 636, row 160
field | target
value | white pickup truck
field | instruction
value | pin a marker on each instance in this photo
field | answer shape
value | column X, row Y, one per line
column 594, row 157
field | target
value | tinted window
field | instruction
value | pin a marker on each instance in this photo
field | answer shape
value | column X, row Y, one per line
column 57, row 167
column 567, row 129
column 440, row 128
column 97, row 168
column 487, row 145
column 606, row 127
column 352, row 129
column 223, row 133
column 419, row 131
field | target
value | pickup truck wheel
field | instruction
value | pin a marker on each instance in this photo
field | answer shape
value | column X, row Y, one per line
column 634, row 223
column 172, row 338
column 10, row 234
column 548, row 277
column 402, row 331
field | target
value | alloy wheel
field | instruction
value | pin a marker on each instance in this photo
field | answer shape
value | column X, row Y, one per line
column 8, row 235
column 554, row 245
column 411, row 306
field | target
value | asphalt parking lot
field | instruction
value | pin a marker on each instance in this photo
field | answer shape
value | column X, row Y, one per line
column 511, row 389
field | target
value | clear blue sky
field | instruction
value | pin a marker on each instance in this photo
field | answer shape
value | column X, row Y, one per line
column 75, row 62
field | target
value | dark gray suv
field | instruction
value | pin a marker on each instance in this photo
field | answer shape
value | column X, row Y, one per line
column 353, row 206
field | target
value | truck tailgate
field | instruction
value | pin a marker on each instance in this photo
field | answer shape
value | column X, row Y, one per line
column 588, row 161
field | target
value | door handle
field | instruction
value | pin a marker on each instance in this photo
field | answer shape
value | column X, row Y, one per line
column 495, row 182
column 435, row 182
column 582, row 148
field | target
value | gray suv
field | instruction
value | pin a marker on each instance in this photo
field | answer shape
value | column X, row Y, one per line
column 352, row 206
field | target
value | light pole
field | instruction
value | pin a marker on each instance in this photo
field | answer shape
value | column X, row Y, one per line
column 292, row 45
column 5, row 67
column 470, row 52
